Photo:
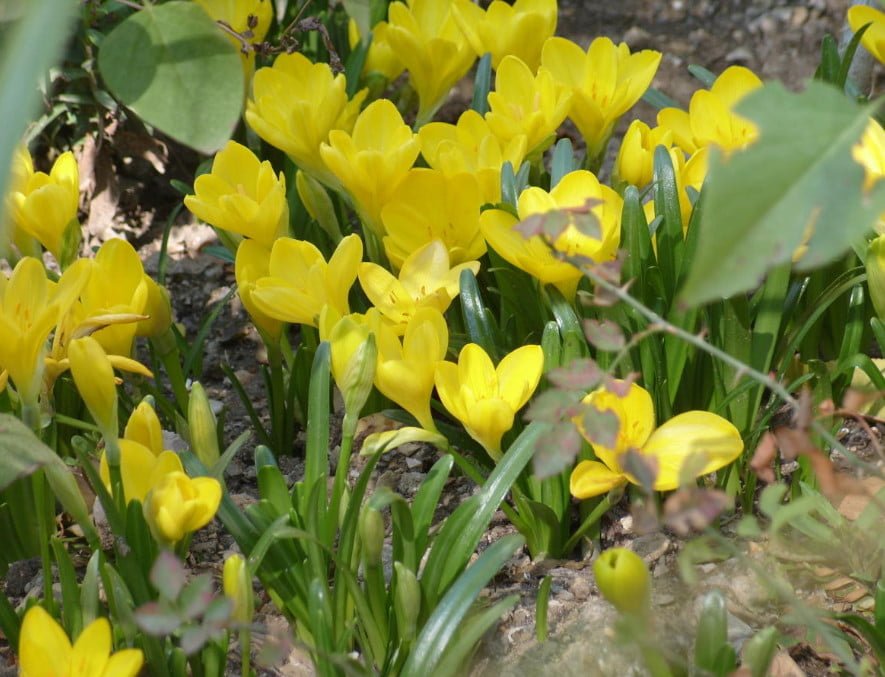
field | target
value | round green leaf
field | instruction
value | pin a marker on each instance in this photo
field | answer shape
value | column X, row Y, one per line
column 177, row 71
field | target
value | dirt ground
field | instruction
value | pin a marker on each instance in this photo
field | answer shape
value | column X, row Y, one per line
column 126, row 178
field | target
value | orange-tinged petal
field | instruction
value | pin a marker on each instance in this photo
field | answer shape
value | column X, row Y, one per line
column 592, row 478
column 694, row 432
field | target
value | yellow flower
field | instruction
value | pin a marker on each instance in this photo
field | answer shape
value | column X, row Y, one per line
column 485, row 399
column 470, row 147
column 381, row 57
column 251, row 265
column 300, row 282
column 353, row 354
column 373, row 161
column 45, row 207
column 178, row 505
column 710, row 120
column 432, row 206
column 140, row 467
column 874, row 37
column 870, row 154
column 425, row 280
column 295, row 104
column 519, row 29
column 533, row 254
column 668, row 447
column 689, row 174
column 94, row 377
column 237, row 583
column 242, row 195
column 524, row 103
column 144, row 427
column 116, row 286
column 27, row 316
column 245, row 17
column 428, row 42
column 605, row 81
column 44, row 650
column 875, row 267
column 406, row 368
column 635, row 163
column 391, row 439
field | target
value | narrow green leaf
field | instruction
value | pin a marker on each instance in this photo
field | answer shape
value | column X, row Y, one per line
column 21, row 453
column 482, row 83
column 563, row 161
column 70, row 590
column 670, row 239
column 316, row 457
column 541, row 608
column 478, row 322
column 798, row 179
column 444, row 623
column 712, row 632
column 427, row 499
column 174, row 67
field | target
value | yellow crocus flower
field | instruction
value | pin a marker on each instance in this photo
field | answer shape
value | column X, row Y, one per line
column 426, row 280
column 252, row 264
column 533, row 254
column 28, row 313
column 406, row 368
column 295, row 104
column 432, row 206
column 353, row 354
column 605, row 81
column 249, row 18
column 874, row 37
column 45, row 206
column 44, row 650
column 178, row 505
column 116, row 287
column 870, row 154
column 242, row 195
column 484, row 398
column 140, row 467
column 503, row 29
column 710, row 119
column 144, row 427
column 470, row 147
column 428, row 42
column 668, row 446
column 525, row 103
column 370, row 163
column 300, row 282
column 635, row 162
column 381, row 57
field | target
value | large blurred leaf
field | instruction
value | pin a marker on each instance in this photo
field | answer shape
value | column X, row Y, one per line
column 173, row 66
column 798, row 179
column 21, row 453
column 29, row 47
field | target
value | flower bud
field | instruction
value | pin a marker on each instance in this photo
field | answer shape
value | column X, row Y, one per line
column 623, row 579
column 406, row 601
column 353, row 362
column 371, row 527
column 158, row 309
column 875, row 265
column 144, row 427
column 94, row 378
column 202, row 426
column 318, row 204
column 178, row 505
column 237, row 584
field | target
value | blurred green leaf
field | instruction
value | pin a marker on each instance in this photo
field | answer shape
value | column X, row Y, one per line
column 173, row 67
column 21, row 453
column 798, row 179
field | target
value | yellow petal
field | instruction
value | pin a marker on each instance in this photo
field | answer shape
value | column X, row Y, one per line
column 518, row 375
column 391, row 439
column 92, row 648
column 694, row 432
column 592, row 478
column 44, row 648
column 125, row 663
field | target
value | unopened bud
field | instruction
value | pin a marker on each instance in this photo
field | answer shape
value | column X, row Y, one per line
column 318, row 204
column 238, row 587
column 202, row 426
column 371, row 527
column 623, row 579
column 406, row 601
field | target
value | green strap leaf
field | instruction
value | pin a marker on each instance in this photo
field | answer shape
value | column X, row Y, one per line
column 798, row 179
